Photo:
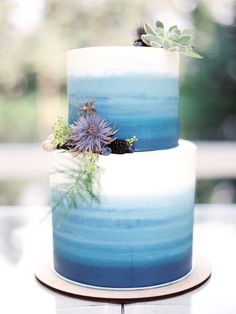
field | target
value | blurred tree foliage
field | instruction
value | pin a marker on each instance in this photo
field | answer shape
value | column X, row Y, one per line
column 34, row 62
column 208, row 86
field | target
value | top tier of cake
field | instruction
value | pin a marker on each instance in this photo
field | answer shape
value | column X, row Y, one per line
column 134, row 88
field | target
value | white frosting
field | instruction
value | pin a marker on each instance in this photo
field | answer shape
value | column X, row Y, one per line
column 147, row 173
column 104, row 61
column 159, row 173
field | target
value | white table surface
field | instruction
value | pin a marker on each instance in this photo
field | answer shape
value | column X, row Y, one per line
column 20, row 292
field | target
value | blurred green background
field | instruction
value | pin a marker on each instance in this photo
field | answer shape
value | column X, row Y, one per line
column 34, row 38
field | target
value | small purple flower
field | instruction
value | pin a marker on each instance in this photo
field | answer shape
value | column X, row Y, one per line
column 91, row 133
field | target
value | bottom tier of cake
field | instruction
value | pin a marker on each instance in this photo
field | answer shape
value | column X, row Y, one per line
column 130, row 224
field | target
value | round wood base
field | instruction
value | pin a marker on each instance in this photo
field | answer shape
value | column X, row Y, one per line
column 45, row 274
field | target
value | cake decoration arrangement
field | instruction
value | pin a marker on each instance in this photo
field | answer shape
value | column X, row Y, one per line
column 89, row 137
column 90, row 133
column 122, row 183
column 172, row 40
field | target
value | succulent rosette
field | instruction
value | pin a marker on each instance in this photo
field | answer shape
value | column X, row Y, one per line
column 172, row 39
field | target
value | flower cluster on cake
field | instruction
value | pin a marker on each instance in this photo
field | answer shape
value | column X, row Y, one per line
column 90, row 133
column 122, row 183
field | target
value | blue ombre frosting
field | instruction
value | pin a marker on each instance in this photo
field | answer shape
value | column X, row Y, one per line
column 136, row 89
column 125, row 242
column 140, row 104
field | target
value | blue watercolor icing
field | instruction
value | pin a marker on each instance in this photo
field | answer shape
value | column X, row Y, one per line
column 136, row 244
column 144, row 105
column 125, row 277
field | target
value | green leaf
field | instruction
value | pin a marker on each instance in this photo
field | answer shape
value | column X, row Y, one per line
column 172, row 28
column 131, row 140
column 184, row 40
column 160, row 32
column 182, row 48
column 176, row 31
column 147, row 42
column 148, row 29
column 188, row 31
column 157, row 40
column 173, row 44
column 192, row 54
column 166, row 44
column 61, row 132
column 155, row 44
column 159, row 24
column 173, row 48
column 83, row 176
column 149, row 37
column 173, row 36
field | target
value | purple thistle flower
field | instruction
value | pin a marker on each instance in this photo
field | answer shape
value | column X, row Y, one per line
column 91, row 133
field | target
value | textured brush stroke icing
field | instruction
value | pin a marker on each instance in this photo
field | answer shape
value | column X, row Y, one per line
column 142, row 105
column 135, row 89
column 141, row 232
column 133, row 247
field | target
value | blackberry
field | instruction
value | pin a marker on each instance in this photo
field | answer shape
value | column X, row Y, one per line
column 106, row 151
column 139, row 43
column 119, row 146
column 131, row 149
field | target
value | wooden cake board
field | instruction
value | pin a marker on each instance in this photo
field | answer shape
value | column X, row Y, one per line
column 45, row 273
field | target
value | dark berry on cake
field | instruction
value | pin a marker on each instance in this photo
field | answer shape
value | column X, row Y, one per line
column 138, row 41
column 131, row 149
column 106, row 151
column 119, row 146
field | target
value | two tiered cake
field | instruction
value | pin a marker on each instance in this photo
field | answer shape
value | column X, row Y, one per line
column 130, row 224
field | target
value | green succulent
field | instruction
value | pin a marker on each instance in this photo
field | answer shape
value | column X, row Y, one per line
column 173, row 40
column 61, row 132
